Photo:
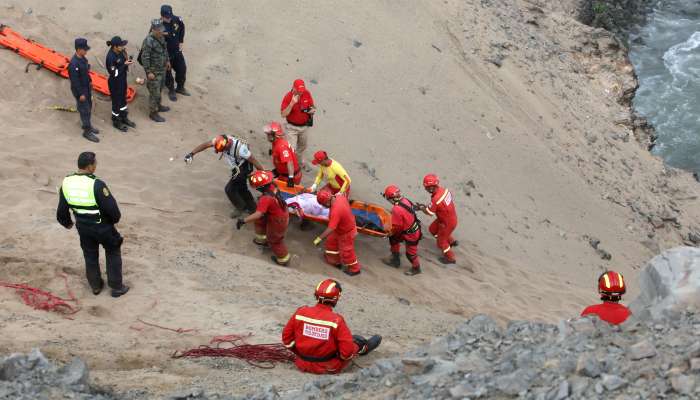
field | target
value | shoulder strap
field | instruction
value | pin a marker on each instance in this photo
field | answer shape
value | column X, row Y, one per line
column 407, row 208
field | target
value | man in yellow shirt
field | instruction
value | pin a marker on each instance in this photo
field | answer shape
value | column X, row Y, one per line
column 334, row 173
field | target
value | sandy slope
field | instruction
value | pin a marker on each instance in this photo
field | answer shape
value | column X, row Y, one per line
column 416, row 96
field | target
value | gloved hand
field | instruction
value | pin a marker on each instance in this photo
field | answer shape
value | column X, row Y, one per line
column 188, row 158
column 239, row 223
column 317, row 241
column 290, row 181
column 312, row 189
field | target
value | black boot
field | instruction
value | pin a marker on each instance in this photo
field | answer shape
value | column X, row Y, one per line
column 366, row 345
column 126, row 121
column 87, row 134
column 171, row 95
column 156, row 117
column 413, row 271
column 181, row 90
column 120, row 292
column 97, row 290
column 393, row 261
column 162, row 108
column 117, row 123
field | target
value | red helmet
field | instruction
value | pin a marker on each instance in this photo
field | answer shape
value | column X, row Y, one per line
column 328, row 291
column 274, row 127
column 220, row 143
column 430, row 180
column 611, row 283
column 261, row 178
column 391, row 192
column 323, row 196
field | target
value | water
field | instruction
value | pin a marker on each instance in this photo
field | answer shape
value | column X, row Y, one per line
column 666, row 56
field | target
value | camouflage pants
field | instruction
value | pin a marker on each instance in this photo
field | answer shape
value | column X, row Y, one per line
column 154, row 88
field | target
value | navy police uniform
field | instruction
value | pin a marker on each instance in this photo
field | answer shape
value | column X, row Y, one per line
column 175, row 35
column 117, row 69
column 81, row 84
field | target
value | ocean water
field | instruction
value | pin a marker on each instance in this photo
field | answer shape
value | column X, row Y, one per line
column 666, row 55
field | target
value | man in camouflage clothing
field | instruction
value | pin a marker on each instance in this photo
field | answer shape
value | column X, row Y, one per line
column 155, row 61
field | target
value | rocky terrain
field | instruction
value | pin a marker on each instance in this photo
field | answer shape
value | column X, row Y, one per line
column 653, row 355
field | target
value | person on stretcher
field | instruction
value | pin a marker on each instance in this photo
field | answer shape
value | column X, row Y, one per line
column 306, row 204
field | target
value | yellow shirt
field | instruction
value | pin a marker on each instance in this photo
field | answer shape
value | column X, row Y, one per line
column 336, row 176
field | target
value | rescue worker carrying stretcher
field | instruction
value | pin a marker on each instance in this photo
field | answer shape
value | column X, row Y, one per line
column 320, row 337
column 611, row 286
column 405, row 227
column 334, row 173
column 283, row 157
column 271, row 218
column 443, row 208
column 340, row 233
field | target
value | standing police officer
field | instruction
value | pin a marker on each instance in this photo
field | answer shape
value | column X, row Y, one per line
column 155, row 61
column 96, row 212
column 81, row 87
column 174, row 37
column 117, row 67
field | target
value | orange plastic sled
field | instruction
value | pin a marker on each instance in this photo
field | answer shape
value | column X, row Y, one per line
column 371, row 219
column 51, row 59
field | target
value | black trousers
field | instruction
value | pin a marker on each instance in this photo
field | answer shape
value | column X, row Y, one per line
column 238, row 193
column 85, row 109
column 91, row 237
column 117, row 91
column 179, row 67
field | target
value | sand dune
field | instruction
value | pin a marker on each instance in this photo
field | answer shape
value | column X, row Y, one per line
column 401, row 91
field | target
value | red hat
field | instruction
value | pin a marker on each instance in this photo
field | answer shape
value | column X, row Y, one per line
column 319, row 156
column 299, row 85
column 274, row 127
column 323, row 197
column 391, row 191
column 261, row 178
column 329, row 291
column 221, row 143
column 431, row 180
column 611, row 283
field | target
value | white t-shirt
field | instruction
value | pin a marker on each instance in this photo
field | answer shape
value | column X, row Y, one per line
column 237, row 154
column 308, row 204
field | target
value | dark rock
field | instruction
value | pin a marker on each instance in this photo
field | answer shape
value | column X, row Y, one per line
column 356, row 43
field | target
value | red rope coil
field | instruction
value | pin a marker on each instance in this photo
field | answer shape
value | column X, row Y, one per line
column 43, row 300
column 258, row 355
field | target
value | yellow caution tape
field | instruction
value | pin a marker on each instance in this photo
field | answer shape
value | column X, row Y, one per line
column 63, row 108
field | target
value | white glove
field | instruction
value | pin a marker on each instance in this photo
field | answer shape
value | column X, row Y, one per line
column 313, row 188
column 188, row 158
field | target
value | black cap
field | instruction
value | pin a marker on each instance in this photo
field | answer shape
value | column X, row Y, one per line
column 117, row 41
column 166, row 11
column 81, row 43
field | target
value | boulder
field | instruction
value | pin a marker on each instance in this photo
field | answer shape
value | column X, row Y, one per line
column 670, row 281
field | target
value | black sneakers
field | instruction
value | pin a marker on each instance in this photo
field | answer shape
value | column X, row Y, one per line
column 87, row 134
column 370, row 344
column 181, row 90
column 154, row 116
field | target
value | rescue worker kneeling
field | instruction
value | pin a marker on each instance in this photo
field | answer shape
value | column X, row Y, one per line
column 320, row 337
column 611, row 286
column 405, row 227
column 271, row 217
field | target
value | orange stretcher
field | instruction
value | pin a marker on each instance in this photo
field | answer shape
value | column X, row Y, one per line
column 51, row 59
column 371, row 219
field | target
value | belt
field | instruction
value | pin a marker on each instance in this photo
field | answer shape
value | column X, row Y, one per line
column 300, row 126
column 318, row 359
column 413, row 229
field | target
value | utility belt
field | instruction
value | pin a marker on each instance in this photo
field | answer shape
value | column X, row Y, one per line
column 415, row 227
column 245, row 168
column 318, row 359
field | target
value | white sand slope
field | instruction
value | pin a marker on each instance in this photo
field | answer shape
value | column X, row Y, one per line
column 402, row 90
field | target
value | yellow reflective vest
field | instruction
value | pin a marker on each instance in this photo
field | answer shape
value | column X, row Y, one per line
column 79, row 192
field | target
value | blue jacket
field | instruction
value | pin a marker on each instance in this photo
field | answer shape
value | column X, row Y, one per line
column 175, row 34
column 79, row 74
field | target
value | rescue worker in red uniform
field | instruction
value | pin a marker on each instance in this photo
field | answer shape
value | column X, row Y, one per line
column 340, row 233
column 284, row 158
column 405, row 227
column 320, row 338
column 271, row 218
column 442, row 206
column 611, row 286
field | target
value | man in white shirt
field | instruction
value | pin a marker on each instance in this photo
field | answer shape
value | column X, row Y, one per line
column 241, row 161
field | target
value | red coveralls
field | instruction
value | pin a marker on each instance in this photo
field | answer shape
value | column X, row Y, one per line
column 340, row 244
column 613, row 313
column 442, row 205
column 282, row 154
column 402, row 220
column 272, row 227
column 317, row 333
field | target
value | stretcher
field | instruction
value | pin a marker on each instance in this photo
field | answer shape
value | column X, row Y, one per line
column 371, row 219
column 50, row 59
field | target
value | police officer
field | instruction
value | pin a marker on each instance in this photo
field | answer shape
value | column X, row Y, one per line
column 155, row 61
column 96, row 211
column 117, row 66
column 174, row 37
column 81, row 87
